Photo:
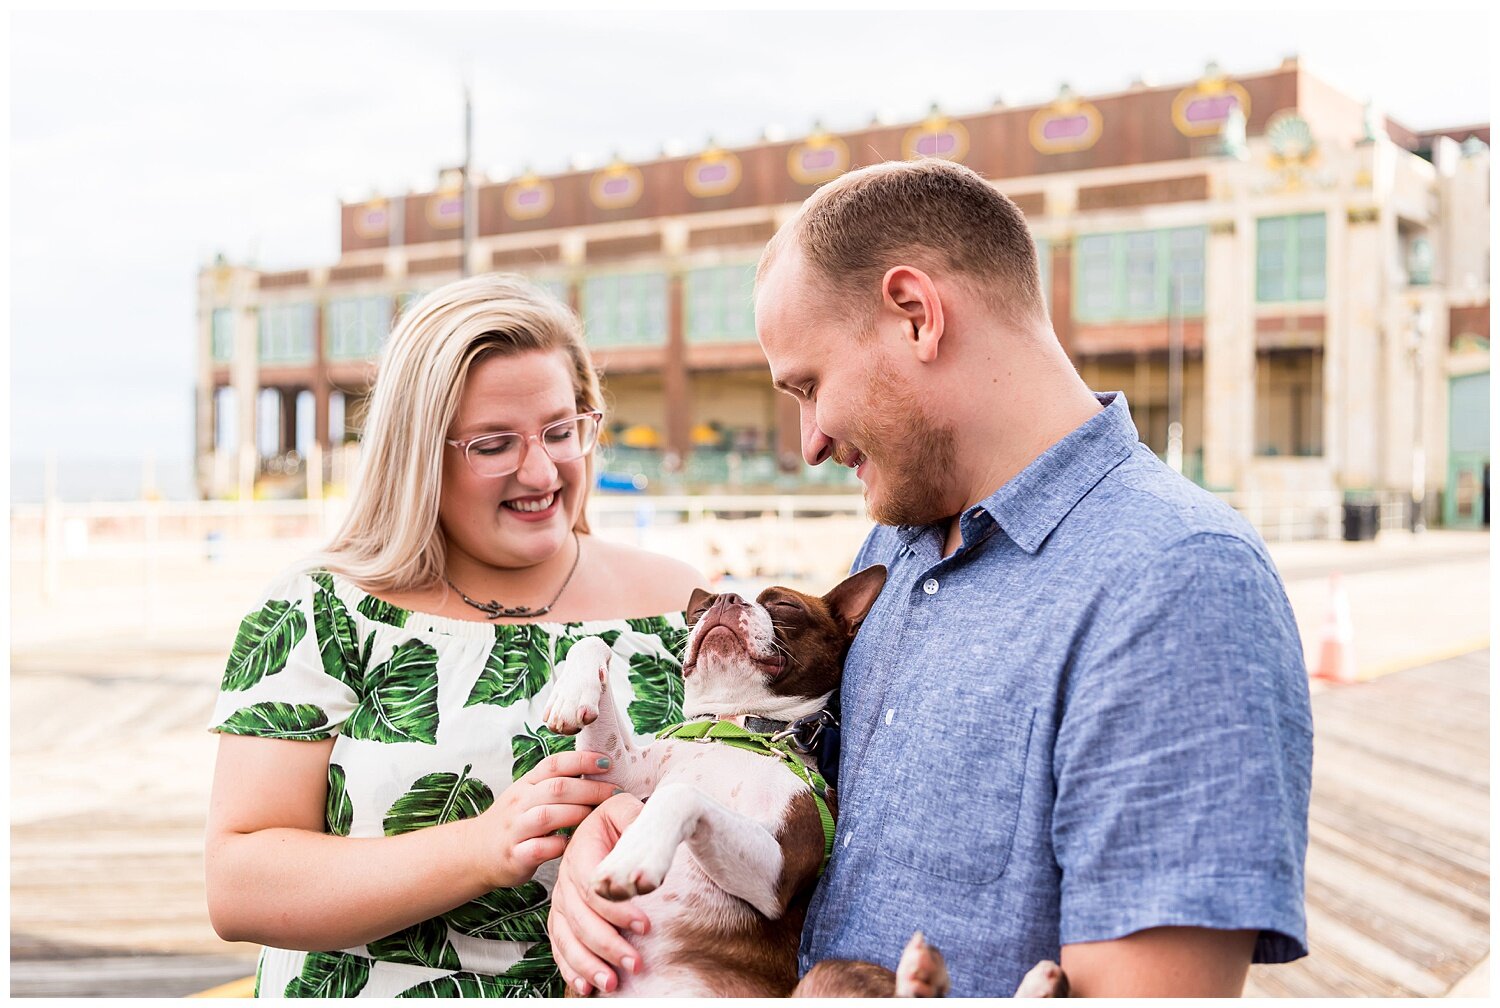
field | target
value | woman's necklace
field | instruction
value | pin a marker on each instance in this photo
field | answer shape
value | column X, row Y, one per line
column 494, row 610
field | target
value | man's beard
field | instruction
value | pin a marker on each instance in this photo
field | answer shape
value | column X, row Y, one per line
column 913, row 454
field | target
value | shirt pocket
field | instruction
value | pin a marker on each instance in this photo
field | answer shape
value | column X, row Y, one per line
column 956, row 789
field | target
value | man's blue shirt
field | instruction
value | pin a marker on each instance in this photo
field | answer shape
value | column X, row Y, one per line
column 1090, row 720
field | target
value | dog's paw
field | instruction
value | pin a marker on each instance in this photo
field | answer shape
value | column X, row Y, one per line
column 922, row 972
column 577, row 682
column 632, row 869
column 1045, row 979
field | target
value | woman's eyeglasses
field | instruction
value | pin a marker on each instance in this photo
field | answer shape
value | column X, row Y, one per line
column 501, row 454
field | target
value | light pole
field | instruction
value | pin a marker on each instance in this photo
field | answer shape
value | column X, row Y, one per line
column 471, row 216
column 1416, row 336
column 1174, row 373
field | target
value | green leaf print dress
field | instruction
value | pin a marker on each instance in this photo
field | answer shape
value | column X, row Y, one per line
column 432, row 718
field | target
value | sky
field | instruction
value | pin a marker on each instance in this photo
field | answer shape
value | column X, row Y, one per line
column 143, row 144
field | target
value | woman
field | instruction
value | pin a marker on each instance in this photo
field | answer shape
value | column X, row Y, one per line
column 386, row 802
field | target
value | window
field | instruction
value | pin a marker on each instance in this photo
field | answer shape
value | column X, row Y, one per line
column 357, row 326
column 286, row 333
column 1289, row 402
column 221, row 340
column 625, row 309
column 1290, row 257
column 225, row 419
column 720, row 303
column 1139, row 275
column 556, row 286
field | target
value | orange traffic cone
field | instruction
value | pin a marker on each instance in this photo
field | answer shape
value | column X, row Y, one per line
column 1336, row 650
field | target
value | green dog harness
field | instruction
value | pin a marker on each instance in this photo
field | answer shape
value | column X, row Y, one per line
column 732, row 734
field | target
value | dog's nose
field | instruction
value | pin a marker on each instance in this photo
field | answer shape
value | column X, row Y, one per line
column 729, row 599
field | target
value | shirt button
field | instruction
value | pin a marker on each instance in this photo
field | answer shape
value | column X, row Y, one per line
column 890, row 714
column 931, row 586
column 846, row 839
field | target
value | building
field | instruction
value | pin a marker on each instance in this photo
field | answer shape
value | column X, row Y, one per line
column 1291, row 289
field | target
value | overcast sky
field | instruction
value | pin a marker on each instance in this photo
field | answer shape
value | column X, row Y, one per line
column 142, row 144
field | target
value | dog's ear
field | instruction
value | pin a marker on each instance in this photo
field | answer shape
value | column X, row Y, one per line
column 698, row 605
column 852, row 598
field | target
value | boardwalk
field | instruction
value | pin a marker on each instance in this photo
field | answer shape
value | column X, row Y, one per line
column 111, row 767
column 1399, row 850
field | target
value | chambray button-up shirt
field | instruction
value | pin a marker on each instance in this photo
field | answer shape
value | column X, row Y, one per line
column 1090, row 720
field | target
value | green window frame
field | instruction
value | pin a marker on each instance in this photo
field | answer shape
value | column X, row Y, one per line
column 221, row 335
column 625, row 309
column 1127, row 276
column 357, row 326
column 720, row 304
column 1291, row 258
column 287, row 333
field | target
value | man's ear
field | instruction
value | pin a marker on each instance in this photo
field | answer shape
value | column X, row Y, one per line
column 697, row 605
column 852, row 598
column 910, row 294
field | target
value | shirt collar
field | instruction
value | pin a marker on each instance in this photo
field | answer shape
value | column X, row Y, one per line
column 1033, row 502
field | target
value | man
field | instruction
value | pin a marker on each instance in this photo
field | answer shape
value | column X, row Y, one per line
column 1076, row 722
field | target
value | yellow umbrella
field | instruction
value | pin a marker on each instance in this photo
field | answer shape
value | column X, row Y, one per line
column 640, row 436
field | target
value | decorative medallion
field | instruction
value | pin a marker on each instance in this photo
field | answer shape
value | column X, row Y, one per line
column 817, row 159
column 1068, row 124
column 1291, row 140
column 618, row 186
column 715, row 172
column 373, row 219
column 938, row 136
column 528, row 197
column 445, row 209
column 1293, row 150
column 1200, row 110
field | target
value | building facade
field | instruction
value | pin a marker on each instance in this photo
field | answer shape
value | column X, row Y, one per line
column 1291, row 289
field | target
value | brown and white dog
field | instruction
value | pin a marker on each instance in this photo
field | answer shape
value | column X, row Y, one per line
column 725, row 854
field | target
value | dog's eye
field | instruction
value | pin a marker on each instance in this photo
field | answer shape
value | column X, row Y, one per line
column 782, row 604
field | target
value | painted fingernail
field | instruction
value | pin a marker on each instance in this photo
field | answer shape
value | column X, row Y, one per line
column 603, row 763
column 616, row 791
column 581, row 985
column 601, row 980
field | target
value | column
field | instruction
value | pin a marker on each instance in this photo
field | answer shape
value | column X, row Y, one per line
column 1229, row 353
column 679, row 414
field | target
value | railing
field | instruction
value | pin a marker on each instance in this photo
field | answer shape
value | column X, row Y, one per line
column 719, row 470
column 802, row 536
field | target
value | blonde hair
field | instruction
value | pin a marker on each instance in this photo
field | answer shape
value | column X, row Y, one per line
column 929, row 213
column 390, row 539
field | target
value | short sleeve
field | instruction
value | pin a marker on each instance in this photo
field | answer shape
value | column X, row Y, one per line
column 293, row 670
column 1183, row 760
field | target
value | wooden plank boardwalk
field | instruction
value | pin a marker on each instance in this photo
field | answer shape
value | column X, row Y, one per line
column 110, row 771
column 1398, row 855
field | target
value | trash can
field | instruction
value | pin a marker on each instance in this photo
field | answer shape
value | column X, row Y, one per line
column 1361, row 519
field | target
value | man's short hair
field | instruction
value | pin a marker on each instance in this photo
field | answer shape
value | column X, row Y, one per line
column 929, row 213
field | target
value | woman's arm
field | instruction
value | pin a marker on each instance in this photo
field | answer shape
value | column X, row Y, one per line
column 276, row 878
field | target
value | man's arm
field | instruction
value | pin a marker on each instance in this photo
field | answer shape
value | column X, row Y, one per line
column 1183, row 766
column 1161, row 962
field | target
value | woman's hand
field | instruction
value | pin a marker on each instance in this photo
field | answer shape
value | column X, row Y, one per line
column 518, row 832
column 583, row 925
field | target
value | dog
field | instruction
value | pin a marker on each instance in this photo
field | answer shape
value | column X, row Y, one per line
column 726, row 852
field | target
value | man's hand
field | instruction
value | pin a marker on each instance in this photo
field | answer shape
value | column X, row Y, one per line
column 583, row 925
column 1161, row 962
